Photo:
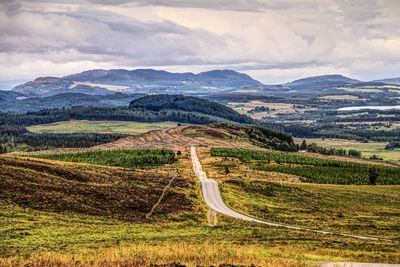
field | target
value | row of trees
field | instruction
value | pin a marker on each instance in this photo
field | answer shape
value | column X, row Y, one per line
column 314, row 148
column 392, row 145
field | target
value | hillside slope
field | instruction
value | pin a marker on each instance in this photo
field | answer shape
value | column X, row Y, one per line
column 14, row 102
column 91, row 190
column 219, row 134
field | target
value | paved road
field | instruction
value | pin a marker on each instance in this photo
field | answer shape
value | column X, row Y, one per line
column 213, row 199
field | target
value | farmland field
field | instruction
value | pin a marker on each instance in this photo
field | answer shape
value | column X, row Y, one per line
column 367, row 149
column 83, row 126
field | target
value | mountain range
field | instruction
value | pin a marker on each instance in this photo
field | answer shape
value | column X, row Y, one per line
column 149, row 81
column 118, row 87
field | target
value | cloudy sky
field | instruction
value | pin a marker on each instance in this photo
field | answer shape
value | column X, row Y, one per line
column 274, row 41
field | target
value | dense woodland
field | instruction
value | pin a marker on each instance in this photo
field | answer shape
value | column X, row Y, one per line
column 138, row 158
column 32, row 141
column 189, row 104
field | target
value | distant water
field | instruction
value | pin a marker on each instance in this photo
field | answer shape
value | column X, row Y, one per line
column 369, row 107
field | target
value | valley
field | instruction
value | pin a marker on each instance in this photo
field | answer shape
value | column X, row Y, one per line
column 114, row 184
column 188, row 133
column 41, row 208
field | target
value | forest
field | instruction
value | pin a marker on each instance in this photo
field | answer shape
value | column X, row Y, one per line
column 314, row 169
column 138, row 158
column 188, row 104
column 32, row 142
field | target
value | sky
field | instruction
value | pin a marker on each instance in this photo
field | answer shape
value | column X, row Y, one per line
column 273, row 41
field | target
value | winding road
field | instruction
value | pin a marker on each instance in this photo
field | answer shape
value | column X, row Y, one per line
column 212, row 197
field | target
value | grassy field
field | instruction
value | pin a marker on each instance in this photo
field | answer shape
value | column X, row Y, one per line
column 275, row 108
column 342, row 97
column 367, row 149
column 82, row 126
column 36, row 236
column 136, row 158
column 362, row 209
column 54, row 212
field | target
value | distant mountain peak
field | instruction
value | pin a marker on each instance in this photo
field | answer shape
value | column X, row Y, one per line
column 47, row 79
column 98, row 81
column 395, row 81
column 328, row 77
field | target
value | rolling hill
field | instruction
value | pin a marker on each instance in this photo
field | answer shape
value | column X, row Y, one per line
column 15, row 102
column 101, row 213
column 395, row 81
column 183, row 103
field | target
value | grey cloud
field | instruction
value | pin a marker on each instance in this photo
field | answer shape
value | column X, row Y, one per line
column 278, row 35
column 10, row 7
column 112, row 38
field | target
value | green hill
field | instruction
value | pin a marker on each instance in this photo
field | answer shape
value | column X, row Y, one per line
column 159, row 103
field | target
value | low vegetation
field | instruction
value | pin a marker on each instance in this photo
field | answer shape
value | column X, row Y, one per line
column 280, row 197
column 138, row 158
column 314, row 169
column 147, row 254
column 358, row 210
column 87, row 189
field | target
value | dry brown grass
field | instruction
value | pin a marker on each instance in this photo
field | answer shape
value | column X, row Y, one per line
column 112, row 192
column 142, row 254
